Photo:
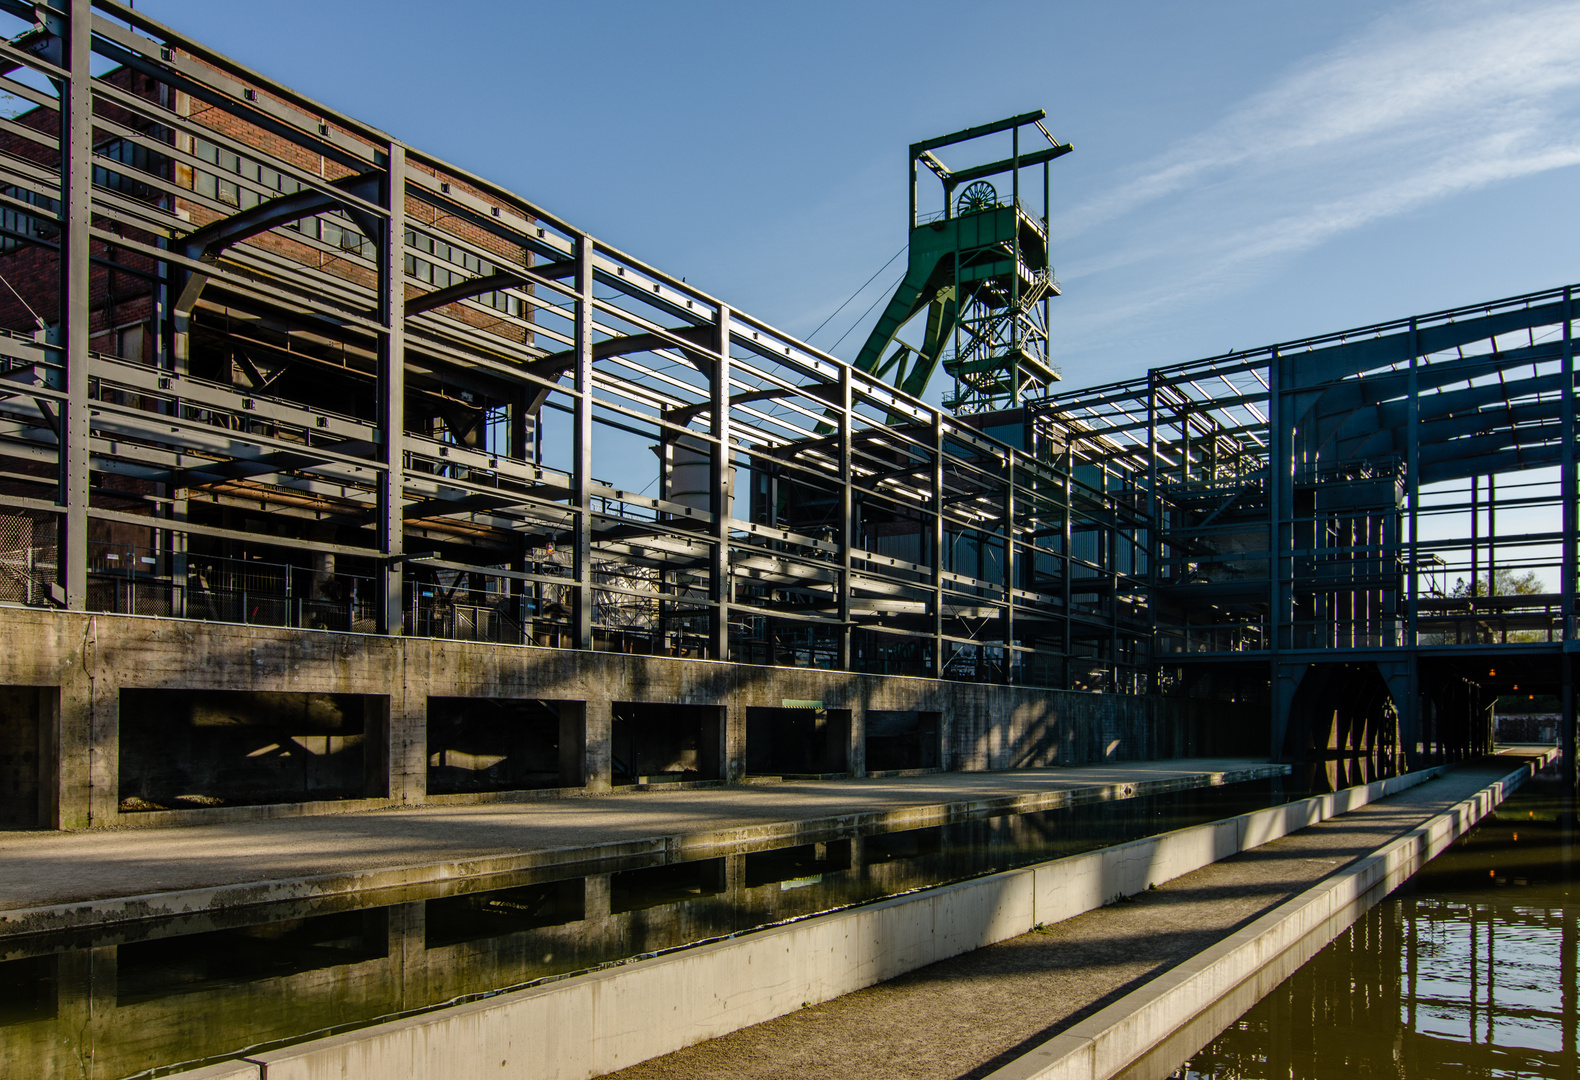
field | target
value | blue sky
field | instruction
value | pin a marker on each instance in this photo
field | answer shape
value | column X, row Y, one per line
column 1243, row 172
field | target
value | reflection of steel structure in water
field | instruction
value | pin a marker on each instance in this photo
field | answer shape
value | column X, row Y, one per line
column 1421, row 988
column 1366, row 573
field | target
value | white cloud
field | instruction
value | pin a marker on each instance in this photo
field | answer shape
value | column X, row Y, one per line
column 1429, row 102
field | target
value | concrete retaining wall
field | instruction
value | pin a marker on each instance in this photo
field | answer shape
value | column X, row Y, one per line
column 593, row 1024
column 1266, row 951
column 677, row 847
column 83, row 662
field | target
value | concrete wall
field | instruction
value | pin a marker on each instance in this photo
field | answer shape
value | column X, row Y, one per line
column 92, row 658
column 350, row 959
column 593, row 1024
column 1150, row 1030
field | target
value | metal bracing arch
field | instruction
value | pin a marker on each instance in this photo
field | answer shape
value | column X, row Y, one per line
column 209, row 241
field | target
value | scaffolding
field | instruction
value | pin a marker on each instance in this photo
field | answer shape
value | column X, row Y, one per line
column 1378, row 524
column 287, row 369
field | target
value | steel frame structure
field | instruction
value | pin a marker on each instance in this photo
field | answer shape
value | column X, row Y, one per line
column 1327, row 517
column 262, row 362
column 266, row 363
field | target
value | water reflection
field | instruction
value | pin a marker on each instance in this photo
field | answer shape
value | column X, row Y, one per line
column 1468, row 971
column 123, row 1001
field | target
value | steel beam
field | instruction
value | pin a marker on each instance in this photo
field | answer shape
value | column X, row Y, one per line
column 720, row 583
column 392, row 393
column 77, row 196
column 844, row 532
column 582, row 449
column 1413, row 486
column 1569, row 486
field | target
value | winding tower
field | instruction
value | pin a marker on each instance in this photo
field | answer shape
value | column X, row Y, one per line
column 980, row 269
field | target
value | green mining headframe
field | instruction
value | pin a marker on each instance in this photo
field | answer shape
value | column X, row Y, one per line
column 980, row 268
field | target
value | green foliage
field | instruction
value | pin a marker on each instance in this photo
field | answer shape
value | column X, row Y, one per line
column 1504, row 582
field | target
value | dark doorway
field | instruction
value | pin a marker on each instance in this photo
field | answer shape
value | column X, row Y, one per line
column 503, row 744
column 902, row 740
column 189, row 749
column 22, row 757
column 666, row 743
column 797, row 742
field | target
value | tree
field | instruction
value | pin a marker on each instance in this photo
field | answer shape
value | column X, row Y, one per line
column 1502, row 582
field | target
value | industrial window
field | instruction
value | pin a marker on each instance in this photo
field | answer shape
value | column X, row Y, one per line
column 218, row 187
column 441, row 277
column 15, row 224
column 138, row 158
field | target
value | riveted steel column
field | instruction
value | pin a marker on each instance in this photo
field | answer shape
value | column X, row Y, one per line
column 1067, row 538
column 1569, row 738
column 76, row 176
column 581, row 468
column 1412, row 425
column 392, row 389
column 847, row 510
column 1154, row 521
column 937, row 665
column 1568, row 484
column 1008, row 673
column 1278, row 464
column 720, row 587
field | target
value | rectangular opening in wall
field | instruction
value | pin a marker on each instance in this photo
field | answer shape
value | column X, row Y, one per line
column 189, row 749
column 503, row 744
column 660, row 743
column 896, row 846
column 216, row 959
column 22, row 756
column 29, row 989
column 804, row 864
column 899, row 740
column 797, row 741
column 656, row 886
column 454, row 920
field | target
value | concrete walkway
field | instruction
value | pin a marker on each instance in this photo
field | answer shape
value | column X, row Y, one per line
column 52, row 880
column 968, row 1016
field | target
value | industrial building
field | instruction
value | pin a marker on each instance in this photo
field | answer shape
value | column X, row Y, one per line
column 336, row 477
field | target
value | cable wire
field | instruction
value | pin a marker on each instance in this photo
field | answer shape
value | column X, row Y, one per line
column 864, row 314
column 857, row 293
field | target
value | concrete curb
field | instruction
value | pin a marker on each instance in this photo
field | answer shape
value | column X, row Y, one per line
column 593, row 1024
column 1112, row 1040
column 70, row 916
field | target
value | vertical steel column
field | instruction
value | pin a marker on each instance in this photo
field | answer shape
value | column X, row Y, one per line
column 1154, row 520
column 1569, row 739
column 1277, row 464
column 392, row 389
column 1014, row 283
column 937, row 665
column 1008, row 673
column 847, row 504
column 581, row 451
column 76, row 178
column 1568, row 735
column 1412, row 427
column 720, row 587
column 1067, row 538
column 1568, row 483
